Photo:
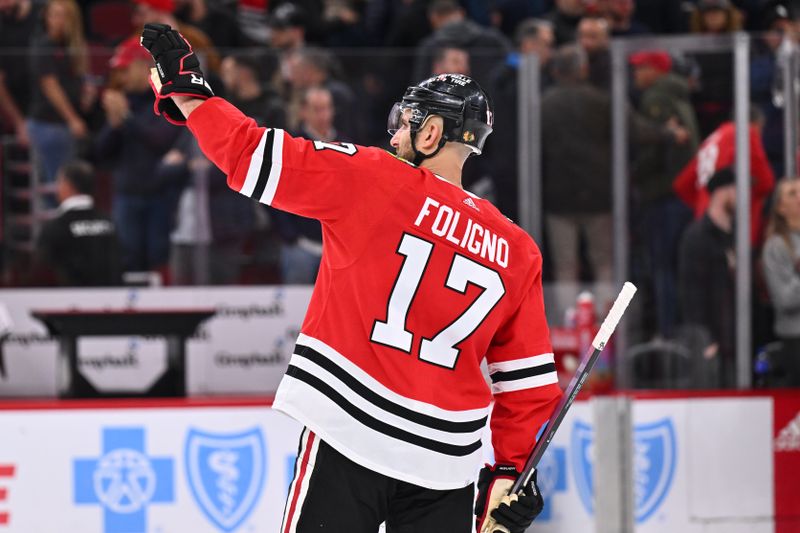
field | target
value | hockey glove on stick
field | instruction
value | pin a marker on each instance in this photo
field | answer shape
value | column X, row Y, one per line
column 496, row 510
column 178, row 70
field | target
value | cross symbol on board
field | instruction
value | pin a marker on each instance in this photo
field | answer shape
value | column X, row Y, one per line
column 125, row 480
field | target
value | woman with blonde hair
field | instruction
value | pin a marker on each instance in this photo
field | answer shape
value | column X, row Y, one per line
column 59, row 63
column 781, row 258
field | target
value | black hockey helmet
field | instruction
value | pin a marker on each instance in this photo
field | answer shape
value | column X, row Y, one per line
column 458, row 99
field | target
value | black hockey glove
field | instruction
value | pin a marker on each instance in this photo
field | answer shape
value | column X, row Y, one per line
column 178, row 70
column 496, row 511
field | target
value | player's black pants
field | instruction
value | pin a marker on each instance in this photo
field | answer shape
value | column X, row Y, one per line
column 331, row 493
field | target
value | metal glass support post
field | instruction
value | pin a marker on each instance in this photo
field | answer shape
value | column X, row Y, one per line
column 529, row 149
column 741, row 60
column 619, row 177
column 615, row 502
column 788, row 63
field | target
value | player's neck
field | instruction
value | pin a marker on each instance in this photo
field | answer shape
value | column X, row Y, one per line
column 446, row 166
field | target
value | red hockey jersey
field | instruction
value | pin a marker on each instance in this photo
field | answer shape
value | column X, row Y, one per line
column 718, row 151
column 419, row 282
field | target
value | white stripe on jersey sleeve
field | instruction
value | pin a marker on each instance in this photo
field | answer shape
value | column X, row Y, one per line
column 525, row 383
column 518, row 364
column 275, row 170
column 254, row 169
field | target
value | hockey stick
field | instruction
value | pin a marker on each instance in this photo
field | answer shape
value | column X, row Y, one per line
column 560, row 411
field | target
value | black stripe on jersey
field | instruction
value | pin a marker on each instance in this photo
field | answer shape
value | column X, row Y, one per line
column 266, row 166
column 376, row 399
column 377, row 425
column 523, row 373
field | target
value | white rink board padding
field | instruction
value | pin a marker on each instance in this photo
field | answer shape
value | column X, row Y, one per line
column 696, row 461
column 243, row 349
column 722, row 466
column 723, row 474
column 165, row 470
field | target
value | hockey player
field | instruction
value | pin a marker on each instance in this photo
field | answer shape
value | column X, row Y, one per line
column 419, row 281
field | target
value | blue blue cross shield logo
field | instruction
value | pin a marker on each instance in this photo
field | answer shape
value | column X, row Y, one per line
column 582, row 452
column 653, row 464
column 124, row 480
column 226, row 474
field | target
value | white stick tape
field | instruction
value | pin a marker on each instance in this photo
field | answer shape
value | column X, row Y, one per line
column 610, row 323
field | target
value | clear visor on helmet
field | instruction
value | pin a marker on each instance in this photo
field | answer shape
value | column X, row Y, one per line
column 403, row 116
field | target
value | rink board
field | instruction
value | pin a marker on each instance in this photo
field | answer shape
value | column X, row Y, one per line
column 702, row 464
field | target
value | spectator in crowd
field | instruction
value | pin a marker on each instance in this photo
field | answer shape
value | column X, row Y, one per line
column 287, row 28
column 781, row 259
column 576, row 119
column 397, row 23
column 507, row 14
column 19, row 20
column 533, row 36
column 162, row 11
column 594, row 38
column 133, row 141
column 186, row 170
column 536, row 36
column 79, row 247
column 706, row 277
column 252, row 17
column 313, row 12
column 664, row 99
column 59, row 62
column 315, row 67
column 715, row 17
column 244, row 78
column 718, row 151
column 620, row 14
column 343, row 25
column 449, row 59
column 287, row 35
column 215, row 19
column 301, row 249
column 317, row 114
column 714, row 98
column 565, row 17
column 766, row 87
column 661, row 16
column 452, row 28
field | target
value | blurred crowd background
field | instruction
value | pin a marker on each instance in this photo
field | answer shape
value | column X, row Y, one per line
column 99, row 191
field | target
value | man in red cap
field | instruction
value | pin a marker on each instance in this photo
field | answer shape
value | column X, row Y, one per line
column 664, row 99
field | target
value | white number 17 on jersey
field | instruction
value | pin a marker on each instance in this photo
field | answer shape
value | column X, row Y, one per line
column 440, row 350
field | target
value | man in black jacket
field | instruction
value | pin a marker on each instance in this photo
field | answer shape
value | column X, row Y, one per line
column 79, row 247
column 706, row 274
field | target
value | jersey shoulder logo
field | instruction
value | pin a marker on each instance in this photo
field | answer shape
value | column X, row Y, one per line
column 468, row 201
